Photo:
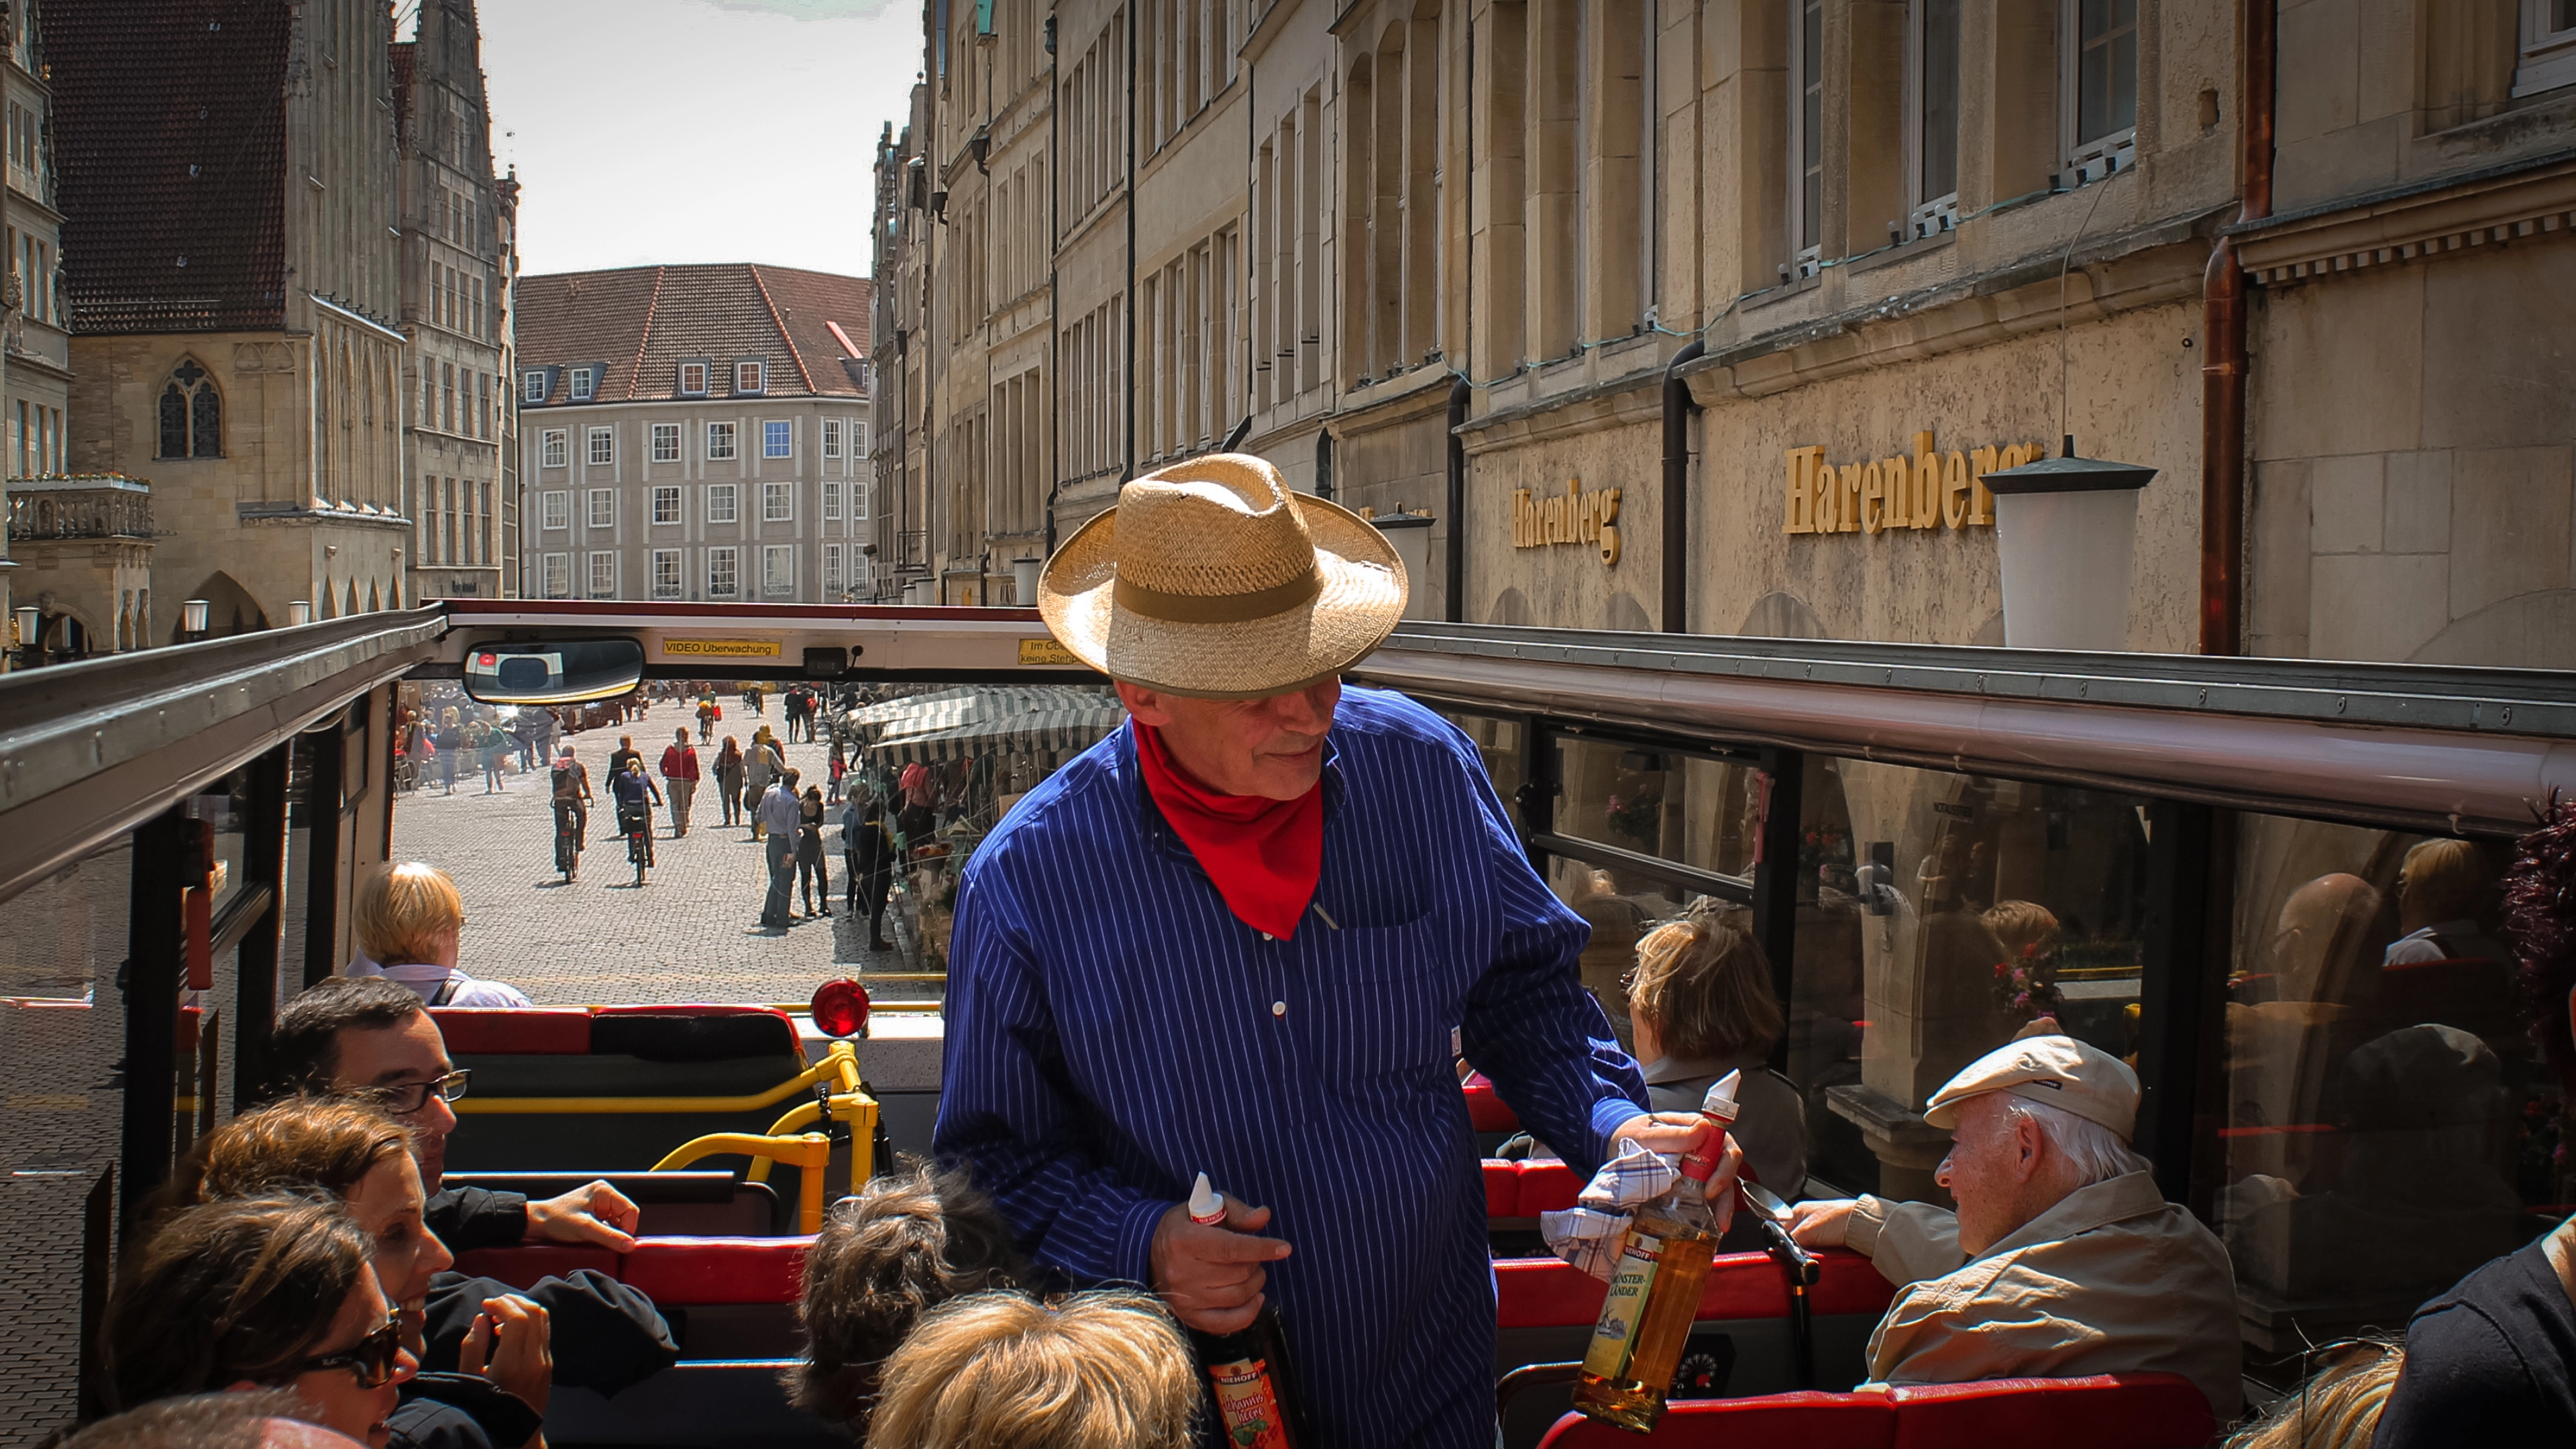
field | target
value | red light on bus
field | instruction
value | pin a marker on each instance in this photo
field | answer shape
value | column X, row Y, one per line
column 840, row 1008
column 487, row 661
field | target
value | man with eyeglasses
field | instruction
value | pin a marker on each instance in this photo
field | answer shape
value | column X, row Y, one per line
column 367, row 1036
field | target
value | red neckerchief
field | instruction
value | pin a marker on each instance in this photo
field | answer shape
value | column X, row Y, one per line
column 1264, row 856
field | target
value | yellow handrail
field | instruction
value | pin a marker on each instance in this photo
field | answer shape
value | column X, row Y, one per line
column 808, row 1152
column 856, row 1110
column 840, row 1063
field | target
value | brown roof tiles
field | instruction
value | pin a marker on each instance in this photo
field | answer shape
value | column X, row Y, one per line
column 641, row 321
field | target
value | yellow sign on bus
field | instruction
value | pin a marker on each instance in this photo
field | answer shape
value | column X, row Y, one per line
column 720, row 648
column 1045, row 651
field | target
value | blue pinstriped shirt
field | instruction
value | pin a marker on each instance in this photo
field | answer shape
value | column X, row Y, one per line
column 1113, row 1030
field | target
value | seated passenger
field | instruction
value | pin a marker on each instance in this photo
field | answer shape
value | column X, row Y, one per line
column 1700, row 1005
column 362, row 1157
column 267, row 1419
column 2063, row 1258
column 409, row 920
column 1103, row 1370
column 2440, row 891
column 263, row 1292
column 2337, row 1408
column 358, row 1036
column 2493, row 1361
column 908, row 1242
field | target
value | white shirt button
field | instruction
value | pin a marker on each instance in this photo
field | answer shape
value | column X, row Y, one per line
column 1279, row 1008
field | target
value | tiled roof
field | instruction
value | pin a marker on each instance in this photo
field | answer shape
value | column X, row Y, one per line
column 640, row 321
column 169, row 132
column 404, row 54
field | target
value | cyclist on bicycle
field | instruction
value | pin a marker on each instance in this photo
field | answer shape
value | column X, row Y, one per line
column 572, row 797
column 634, row 792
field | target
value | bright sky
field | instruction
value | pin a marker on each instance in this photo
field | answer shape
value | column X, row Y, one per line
column 695, row 130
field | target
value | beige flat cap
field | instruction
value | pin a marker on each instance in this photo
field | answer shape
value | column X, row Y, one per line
column 1211, row 578
column 2057, row 1070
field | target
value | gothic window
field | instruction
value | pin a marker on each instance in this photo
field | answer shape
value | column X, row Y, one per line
column 192, row 414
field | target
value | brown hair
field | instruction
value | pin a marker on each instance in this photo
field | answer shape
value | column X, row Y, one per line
column 2020, row 925
column 907, row 1242
column 227, row 1291
column 197, row 1421
column 2337, row 1409
column 2444, row 880
column 404, row 910
column 304, row 1049
column 1704, row 984
column 304, row 1142
column 1105, row 1370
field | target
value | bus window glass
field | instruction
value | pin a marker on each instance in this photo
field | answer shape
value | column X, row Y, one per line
column 2389, row 1125
column 63, row 936
column 1499, row 742
column 225, row 806
column 1684, row 808
column 1938, row 914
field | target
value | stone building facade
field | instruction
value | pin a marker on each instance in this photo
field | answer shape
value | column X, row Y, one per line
column 37, row 348
column 458, row 260
column 695, row 432
column 233, row 277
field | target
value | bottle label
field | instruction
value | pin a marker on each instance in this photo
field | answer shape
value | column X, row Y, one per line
column 1632, row 1277
column 1247, row 1406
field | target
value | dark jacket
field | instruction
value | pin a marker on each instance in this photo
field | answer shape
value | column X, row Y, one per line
column 461, row 1411
column 466, row 1218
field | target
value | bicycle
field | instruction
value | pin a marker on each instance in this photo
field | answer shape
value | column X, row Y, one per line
column 568, row 840
column 638, row 830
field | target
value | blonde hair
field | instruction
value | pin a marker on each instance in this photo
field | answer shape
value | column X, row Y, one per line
column 2020, row 925
column 2337, row 1409
column 1704, row 984
column 2444, row 879
column 402, row 913
column 1000, row 1370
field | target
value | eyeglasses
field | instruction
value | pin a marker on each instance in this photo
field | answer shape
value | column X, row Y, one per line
column 370, row 1360
column 412, row 1096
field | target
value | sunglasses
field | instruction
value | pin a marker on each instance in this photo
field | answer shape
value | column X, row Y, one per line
column 370, row 1360
column 413, row 1096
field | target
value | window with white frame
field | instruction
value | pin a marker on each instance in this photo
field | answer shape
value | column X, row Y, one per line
column 603, row 574
column 693, row 379
column 722, row 506
column 860, row 494
column 558, row 571
column 778, row 440
column 2548, row 47
column 831, row 572
column 555, row 505
column 749, row 377
column 666, row 573
column 777, row 502
column 831, row 500
column 532, row 385
column 666, row 442
column 603, row 508
column 1931, row 117
column 831, row 437
column 778, row 570
column 719, row 442
column 724, row 573
column 2098, row 76
column 603, row 447
column 666, row 503
column 858, row 437
column 1806, row 129
column 585, row 383
column 554, row 448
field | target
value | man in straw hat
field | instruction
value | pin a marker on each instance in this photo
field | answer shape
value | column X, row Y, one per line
column 1234, row 938
column 2063, row 1259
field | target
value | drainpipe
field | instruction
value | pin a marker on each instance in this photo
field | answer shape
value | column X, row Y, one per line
column 2222, row 385
column 1324, row 464
column 1678, row 408
column 1454, row 561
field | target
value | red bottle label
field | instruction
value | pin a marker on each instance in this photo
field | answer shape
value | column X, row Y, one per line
column 1247, row 1405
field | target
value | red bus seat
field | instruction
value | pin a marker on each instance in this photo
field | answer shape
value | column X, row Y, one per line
column 1546, row 1293
column 1526, row 1189
column 1485, row 1109
column 523, row 1265
column 514, row 1031
column 654, row 1033
column 677, row 1272
column 2103, row 1411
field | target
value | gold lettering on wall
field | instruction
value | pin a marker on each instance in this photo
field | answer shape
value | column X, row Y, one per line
column 1571, row 517
column 1926, row 489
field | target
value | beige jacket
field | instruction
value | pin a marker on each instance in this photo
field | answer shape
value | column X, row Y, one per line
column 2113, row 1279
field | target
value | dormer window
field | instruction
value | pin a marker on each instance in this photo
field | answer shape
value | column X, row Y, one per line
column 749, row 377
column 693, row 379
column 532, row 385
column 585, row 383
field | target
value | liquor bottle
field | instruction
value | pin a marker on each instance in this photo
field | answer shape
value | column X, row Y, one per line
column 1248, row 1372
column 1655, row 1285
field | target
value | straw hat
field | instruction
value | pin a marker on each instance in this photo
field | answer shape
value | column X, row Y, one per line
column 1210, row 578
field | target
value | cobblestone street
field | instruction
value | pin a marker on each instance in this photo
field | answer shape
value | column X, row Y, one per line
column 689, row 934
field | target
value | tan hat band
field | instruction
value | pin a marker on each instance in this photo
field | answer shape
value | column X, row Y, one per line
column 1153, row 603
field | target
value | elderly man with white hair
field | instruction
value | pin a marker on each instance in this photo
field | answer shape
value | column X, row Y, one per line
column 2063, row 1258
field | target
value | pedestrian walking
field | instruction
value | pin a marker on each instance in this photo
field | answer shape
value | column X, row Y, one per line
column 496, row 754
column 868, row 852
column 751, row 696
column 729, row 780
column 792, row 705
column 680, row 779
column 761, row 764
column 811, row 872
column 777, row 814
column 625, row 754
column 450, row 741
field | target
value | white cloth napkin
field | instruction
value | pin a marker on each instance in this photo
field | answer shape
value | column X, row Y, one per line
column 1588, row 1234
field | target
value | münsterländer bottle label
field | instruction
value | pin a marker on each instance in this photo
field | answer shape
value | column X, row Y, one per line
column 1246, row 1405
column 1614, row 1337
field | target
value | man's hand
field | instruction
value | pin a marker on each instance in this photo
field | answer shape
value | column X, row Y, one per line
column 598, row 1215
column 1670, row 1133
column 523, row 1364
column 1211, row 1275
column 1822, row 1223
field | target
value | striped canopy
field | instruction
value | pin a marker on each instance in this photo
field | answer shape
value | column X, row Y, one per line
column 949, row 708
column 1074, row 719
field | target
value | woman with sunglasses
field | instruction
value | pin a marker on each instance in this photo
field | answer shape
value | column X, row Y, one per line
column 353, row 1151
column 264, row 1292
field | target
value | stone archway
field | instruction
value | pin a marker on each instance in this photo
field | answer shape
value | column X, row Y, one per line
column 230, row 608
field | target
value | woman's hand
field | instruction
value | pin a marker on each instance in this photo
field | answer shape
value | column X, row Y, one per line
column 511, row 1343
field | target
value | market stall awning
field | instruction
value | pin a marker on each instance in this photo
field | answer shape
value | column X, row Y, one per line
column 949, row 709
column 1073, row 722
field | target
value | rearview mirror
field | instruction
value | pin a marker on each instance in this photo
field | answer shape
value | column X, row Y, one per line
column 567, row 672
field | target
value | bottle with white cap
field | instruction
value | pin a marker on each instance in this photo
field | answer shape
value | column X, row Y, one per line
column 1248, row 1372
column 1655, row 1284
